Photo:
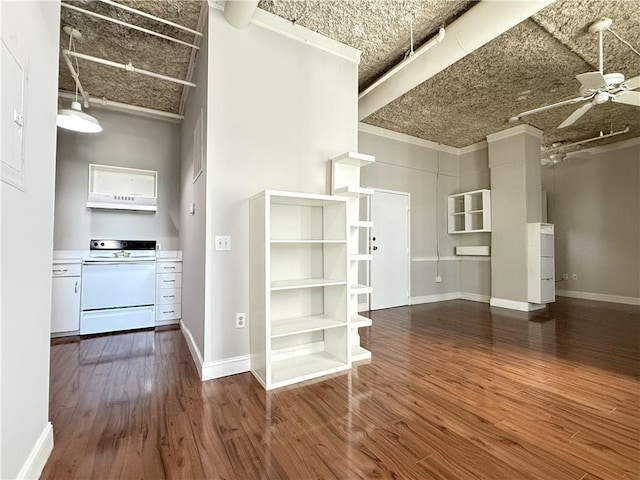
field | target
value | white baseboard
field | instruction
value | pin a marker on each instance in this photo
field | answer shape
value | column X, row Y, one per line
column 39, row 455
column 226, row 366
column 515, row 305
column 439, row 297
column 193, row 348
column 600, row 297
column 216, row 368
column 475, row 297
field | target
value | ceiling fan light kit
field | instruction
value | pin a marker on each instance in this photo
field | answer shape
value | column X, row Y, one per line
column 596, row 88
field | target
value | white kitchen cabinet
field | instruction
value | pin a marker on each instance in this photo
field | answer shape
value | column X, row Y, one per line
column 168, row 291
column 298, row 287
column 65, row 299
column 469, row 212
column 345, row 181
column 541, row 282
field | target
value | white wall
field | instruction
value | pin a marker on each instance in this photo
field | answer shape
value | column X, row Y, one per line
column 594, row 202
column 192, row 227
column 278, row 110
column 475, row 272
column 32, row 30
column 127, row 140
column 413, row 167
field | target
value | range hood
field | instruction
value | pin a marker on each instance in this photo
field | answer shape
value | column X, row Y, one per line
column 120, row 188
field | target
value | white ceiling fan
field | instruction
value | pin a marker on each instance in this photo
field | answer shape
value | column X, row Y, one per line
column 596, row 87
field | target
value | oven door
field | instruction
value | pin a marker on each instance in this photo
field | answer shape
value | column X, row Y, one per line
column 118, row 284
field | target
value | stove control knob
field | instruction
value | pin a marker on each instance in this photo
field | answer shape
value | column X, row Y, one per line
column 95, row 244
column 125, row 244
column 102, row 244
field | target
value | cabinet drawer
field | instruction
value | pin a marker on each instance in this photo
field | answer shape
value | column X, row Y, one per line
column 546, row 267
column 547, row 291
column 169, row 280
column 168, row 295
column 168, row 312
column 66, row 270
column 169, row 267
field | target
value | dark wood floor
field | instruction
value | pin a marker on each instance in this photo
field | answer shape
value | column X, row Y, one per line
column 455, row 390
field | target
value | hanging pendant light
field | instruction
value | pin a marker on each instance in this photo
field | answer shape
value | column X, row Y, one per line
column 76, row 120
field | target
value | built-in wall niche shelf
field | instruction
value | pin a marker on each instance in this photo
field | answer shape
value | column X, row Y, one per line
column 473, row 250
column 122, row 188
column 299, row 287
column 469, row 212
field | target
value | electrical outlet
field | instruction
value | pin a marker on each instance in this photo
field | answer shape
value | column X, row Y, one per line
column 565, row 276
column 574, row 276
column 223, row 243
column 241, row 320
column 438, row 279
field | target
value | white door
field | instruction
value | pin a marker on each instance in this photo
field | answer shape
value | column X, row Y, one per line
column 390, row 248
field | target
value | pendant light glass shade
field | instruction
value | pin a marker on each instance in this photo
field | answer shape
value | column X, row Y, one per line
column 76, row 120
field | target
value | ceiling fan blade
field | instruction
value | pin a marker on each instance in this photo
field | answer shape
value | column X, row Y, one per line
column 628, row 97
column 592, row 80
column 632, row 83
column 573, row 118
column 548, row 107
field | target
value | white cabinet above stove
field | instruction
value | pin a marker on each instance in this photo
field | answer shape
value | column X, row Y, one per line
column 122, row 188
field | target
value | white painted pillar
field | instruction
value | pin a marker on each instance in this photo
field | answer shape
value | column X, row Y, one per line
column 514, row 160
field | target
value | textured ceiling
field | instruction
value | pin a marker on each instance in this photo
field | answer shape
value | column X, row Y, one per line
column 120, row 44
column 532, row 65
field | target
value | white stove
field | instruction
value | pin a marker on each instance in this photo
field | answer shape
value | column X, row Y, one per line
column 118, row 286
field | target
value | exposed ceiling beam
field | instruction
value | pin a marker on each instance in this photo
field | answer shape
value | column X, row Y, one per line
column 478, row 26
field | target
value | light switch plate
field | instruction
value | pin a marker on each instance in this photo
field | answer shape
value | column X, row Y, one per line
column 223, row 243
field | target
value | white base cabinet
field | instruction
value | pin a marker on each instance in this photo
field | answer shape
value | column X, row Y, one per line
column 299, row 326
column 168, row 291
column 65, row 299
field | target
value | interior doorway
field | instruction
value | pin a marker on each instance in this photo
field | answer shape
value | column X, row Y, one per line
column 390, row 247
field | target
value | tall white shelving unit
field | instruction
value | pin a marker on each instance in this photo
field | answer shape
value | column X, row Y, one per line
column 541, row 281
column 299, row 287
column 345, row 175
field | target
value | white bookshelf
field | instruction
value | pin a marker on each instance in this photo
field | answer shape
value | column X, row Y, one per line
column 469, row 212
column 345, row 170
column 299, row 287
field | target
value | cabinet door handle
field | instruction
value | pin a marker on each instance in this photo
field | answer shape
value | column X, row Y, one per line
column 168, row 296
column 169, row 268
column 170, row 311
column 169, row 281
column 75, row 288
column 60, row 271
